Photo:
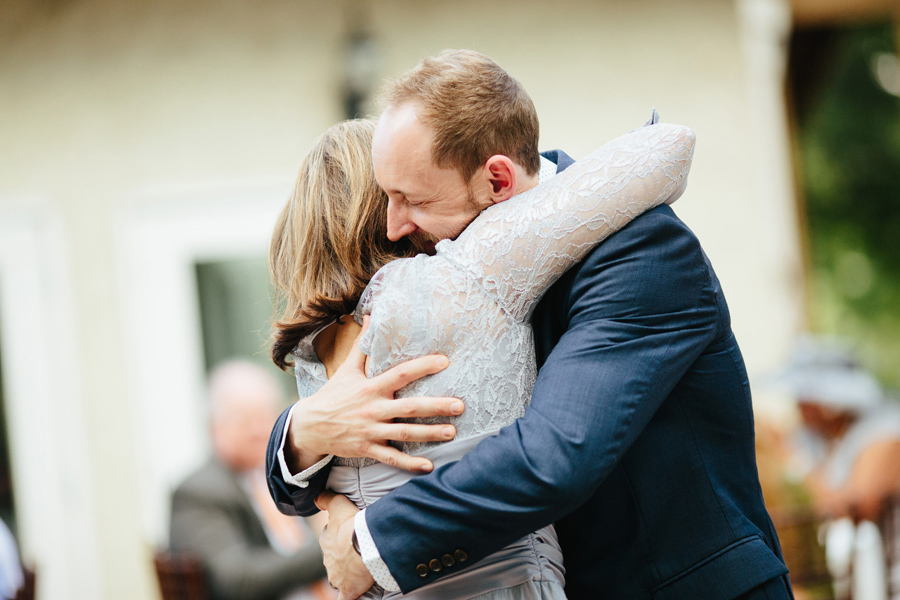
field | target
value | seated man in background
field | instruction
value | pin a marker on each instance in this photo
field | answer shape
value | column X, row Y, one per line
column 222, row 513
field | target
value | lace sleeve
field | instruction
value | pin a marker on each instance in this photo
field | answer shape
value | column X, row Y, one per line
column 518, row 248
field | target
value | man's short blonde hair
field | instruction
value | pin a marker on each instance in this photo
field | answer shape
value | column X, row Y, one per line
column 477, row 110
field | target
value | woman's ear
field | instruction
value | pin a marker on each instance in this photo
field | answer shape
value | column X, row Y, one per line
column 502, row 178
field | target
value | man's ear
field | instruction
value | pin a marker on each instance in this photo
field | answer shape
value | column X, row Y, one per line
column 502, row 178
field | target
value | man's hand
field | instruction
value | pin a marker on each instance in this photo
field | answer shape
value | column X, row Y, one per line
column 352, row 416
column 345, row 567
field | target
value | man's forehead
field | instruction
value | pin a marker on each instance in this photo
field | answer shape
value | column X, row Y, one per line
column 397, row 117
column 401, row 132
column 401, row 146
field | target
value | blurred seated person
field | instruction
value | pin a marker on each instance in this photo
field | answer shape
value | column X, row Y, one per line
column 223, row 515
column 848, row 451
column 849, row 443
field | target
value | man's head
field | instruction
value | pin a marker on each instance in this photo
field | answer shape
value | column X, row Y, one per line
column 243, row 402
column 458, row 134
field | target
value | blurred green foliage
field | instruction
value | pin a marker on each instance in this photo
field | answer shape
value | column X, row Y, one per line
column 849, row 144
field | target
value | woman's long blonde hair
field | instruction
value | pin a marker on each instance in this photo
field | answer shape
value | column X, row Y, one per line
column 331, row 237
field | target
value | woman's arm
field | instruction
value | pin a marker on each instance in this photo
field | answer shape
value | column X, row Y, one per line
column 518, row 248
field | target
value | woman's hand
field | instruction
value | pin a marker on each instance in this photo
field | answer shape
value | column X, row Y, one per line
column 345, row 567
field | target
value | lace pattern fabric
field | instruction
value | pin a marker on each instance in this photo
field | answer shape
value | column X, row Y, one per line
column 473, row 300
column 308, row 369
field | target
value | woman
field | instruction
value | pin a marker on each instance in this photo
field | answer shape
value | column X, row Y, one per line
column 471, row 301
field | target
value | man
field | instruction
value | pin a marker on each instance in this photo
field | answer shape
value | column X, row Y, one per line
column 639, row 439
column 222, row 514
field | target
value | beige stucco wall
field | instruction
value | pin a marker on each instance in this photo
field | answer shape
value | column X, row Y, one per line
column 100, row 98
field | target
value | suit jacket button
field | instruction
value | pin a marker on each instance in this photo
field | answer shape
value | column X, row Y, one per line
column 461, row 555
column 435, row 565
column 448, row 560
column 422, row 570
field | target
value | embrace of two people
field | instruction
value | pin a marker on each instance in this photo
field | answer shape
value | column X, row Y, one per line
column 517, row 374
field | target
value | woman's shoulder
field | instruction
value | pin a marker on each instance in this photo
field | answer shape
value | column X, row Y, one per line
column 383, row 279
column 417, row 281
column 308, row 369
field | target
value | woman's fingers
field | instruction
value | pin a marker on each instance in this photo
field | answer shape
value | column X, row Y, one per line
column 404, row 374
column 339, row 507
column 324, row 500
column 394, row 458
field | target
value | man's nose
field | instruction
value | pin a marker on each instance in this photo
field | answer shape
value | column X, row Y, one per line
column 398, row 223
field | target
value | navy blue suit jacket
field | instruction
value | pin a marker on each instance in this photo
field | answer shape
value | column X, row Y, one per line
column 638, row 443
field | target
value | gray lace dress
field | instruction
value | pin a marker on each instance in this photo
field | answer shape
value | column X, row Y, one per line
column 473, row 301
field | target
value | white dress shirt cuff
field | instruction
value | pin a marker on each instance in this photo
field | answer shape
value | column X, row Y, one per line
column 302, row 478
column 371, row 558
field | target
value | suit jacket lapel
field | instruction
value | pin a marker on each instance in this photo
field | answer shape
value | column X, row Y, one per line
column 563, row 161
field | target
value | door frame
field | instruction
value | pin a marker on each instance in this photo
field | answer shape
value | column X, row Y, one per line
column 160, row 235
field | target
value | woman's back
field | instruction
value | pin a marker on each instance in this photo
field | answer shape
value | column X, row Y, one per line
column 491, row 368
column 432, row 305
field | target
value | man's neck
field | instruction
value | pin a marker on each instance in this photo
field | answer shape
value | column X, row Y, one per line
column 526, row 182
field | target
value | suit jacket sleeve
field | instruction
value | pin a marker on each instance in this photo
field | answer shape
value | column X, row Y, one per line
column 641, row 309
column 290, row 499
